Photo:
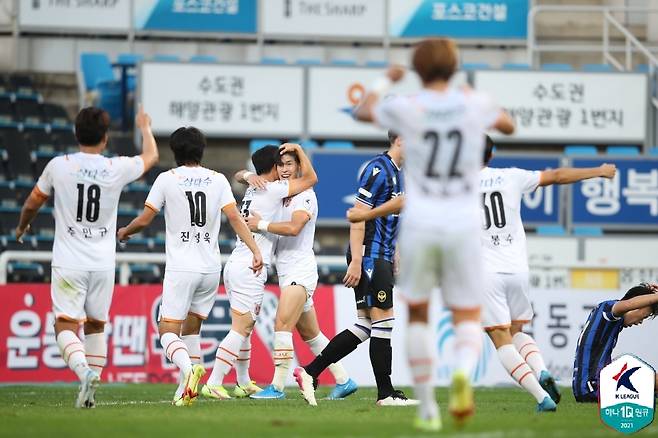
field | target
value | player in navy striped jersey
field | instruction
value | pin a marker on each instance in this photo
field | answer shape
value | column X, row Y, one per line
column 599, row 336
column 370, row 272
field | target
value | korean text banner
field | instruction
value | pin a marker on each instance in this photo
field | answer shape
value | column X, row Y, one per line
column 630, row 199
column 459, row 18
column 353, row 18
column 29, row 352
column 111, row 15
column 239, row 16
column 334, row 91
column 541, row 207
column 224, row 99
column 570, row 107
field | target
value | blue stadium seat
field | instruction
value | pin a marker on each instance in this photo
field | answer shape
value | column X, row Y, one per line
column 129, row 58
column 308, row 61
column 208, row 59
column 556, row 66
column 469, row 66
column 166, row 58
column 256, row 144
column 587, row 231
column 516, row 66
column 272, row 60
column 641, row 68
column 580, row 149
column 551, row 230
column 338, row 145
column 653, row 151
column 345, row 62
column 96, row 68
column 377, row 64
column 598, row 67
column 623, row 150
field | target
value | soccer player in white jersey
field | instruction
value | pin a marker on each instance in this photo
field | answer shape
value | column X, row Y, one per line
column 244, row 289
column 193, row 197
column 442, row 128
column 298, row 277
column 87, row 186
column 506, row 306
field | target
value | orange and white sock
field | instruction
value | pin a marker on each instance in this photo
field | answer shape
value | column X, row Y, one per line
column 193, row 344
column 73, row 352
column 419, row 355
column 96, row 351
column 468, row 344
column 529, row 351
column 283, row 355
column 243, row 362
column 176, row 351
column 520, row 371
column 227, row 354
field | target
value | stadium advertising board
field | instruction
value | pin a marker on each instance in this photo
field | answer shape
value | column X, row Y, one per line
column 331, row 18
column 29, row 352
column 629, row 200
column 570, row 107
column 222, row 99
column 334, row 91
column 459, row 18
column 229, row 16
column 69, row 16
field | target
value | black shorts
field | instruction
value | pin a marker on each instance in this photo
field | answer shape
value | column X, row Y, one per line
column 375, row 289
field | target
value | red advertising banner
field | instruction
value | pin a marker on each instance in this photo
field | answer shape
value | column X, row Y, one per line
column 29, row 352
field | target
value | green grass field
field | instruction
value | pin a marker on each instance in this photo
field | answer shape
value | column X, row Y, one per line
column 144, row 411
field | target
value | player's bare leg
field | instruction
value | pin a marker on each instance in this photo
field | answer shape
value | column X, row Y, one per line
column 73, row 353
column 468, row 344
column 419, row 355
column 528, row 349
column 176, row 351
column 518, row 368
column 190, row 335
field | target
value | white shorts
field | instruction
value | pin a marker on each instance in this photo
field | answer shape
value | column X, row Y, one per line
column 81, row 295
column 506, row 300
column 307, row 278
column 451, row 261
column 244, row 288
column 188, row 292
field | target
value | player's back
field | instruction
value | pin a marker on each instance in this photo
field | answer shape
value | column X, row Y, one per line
column 293, row 249
column 88, row 188
column 267, row 203
column 193, row 198
column 503, row 236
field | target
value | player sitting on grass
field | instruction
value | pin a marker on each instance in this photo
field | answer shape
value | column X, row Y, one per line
column 87, row 186
column 298, row 277
column 599, row 336
column 245, row 289
column 193, row 263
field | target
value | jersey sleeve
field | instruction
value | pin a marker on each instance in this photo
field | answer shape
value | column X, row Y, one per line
column 606, row 309
column 305, row 202
column 390, row 113
column 487, row 109
column 527, row 180
column 156, row 197
column 279, row 189
column 131, row 168
column 372, row 180
column 44, row 184
column 226, row 195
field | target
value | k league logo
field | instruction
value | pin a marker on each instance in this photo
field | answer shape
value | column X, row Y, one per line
column 626, row 394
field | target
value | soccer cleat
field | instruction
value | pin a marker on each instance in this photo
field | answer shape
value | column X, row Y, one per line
column 341, row 391
column 215, row 391
column 548, row 383
column 191, row 379
column 246, row 390
column 462, row 404
column 429, row 425
column 269, row 393
column 546, row 405
column 87, row 392
column 305, row 383
column 397, row 398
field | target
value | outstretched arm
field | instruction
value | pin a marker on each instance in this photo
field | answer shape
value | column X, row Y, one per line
column 138, row 224
column 290, row 228
column 30, row 209
column 149, row 154
column 391, row 206
column 250, row 178
column 569, row 175
column 364, row 111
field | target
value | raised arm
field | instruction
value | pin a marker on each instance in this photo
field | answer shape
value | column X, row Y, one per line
column 364, row 111
column 359, row 214
column 149, row 153
column 138, row 224
column 622, row 307
column 29, row 211
column 241, row 229
column 504, row 123
column 568, row 175
column 250, row 178
column 308, row 176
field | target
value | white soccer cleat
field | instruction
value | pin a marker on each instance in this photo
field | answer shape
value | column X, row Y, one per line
column 305, row 383
column 397, row 399
column 88, row 387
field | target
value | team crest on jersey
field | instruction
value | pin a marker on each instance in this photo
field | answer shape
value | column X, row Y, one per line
column 381, row 296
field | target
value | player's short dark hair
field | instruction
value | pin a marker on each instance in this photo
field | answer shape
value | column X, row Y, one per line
column 435, row 59
column 639, row 290
column 265, row 158
column 187, row 144
column 279, row 157
column 392, row 136
column 91, row 125
column 488, row 149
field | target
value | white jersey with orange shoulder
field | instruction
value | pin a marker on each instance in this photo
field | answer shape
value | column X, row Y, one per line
column 267, row 203
column 291, row 250
column 88, row 188
column 503, row 236
column 443, row 138
column 193, row 198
